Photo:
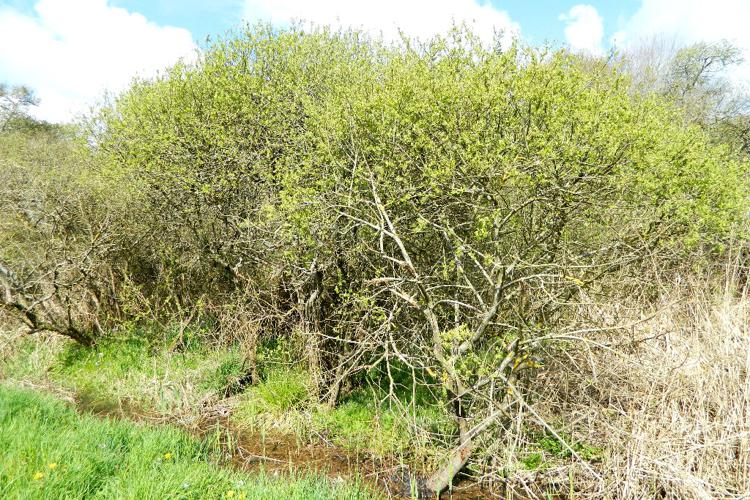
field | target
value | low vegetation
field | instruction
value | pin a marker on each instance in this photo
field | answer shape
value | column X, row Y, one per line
column 49, row 451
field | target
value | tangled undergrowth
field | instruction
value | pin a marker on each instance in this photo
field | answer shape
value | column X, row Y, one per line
column 660, row 410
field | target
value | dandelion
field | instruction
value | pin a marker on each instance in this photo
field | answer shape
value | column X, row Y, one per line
column 167, row 456
column 241, row 496
column 52, row 466
column 38, row 476
column 575, row 280
column 230, row 494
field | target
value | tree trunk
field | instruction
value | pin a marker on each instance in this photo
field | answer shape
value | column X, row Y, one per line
column 443, row 477
column 310, row 332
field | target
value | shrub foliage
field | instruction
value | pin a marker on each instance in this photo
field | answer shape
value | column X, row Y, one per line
column 437, row 208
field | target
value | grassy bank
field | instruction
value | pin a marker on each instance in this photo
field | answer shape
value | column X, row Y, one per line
column 50, row 451
column 141, row 372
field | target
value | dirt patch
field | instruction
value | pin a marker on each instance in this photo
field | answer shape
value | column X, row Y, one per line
column 123, row 409
column 278, row 453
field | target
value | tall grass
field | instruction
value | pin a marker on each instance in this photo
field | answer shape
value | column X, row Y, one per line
column 127, row 368
column 183, row 387
column 668, row 400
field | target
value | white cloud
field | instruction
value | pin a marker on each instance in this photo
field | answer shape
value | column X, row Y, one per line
column 71, row 51
column 584, row 28
column 690, row 21
column 420, row 18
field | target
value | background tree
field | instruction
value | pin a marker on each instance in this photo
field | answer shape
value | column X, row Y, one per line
column 697, row 79
column 15, row 102
column 698, row 82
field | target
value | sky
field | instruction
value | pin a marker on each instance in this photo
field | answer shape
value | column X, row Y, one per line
column 72, row 51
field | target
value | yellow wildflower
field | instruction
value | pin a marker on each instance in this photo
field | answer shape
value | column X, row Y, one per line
column 38, row 476
column 167, row 456
column 52, row 466
column 230, row 494
column 575, row 280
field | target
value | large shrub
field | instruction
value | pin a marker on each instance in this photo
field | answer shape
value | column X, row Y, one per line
column 59, row 235
column 438, row 208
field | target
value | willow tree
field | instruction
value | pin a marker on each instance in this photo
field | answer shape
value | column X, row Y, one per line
column 441, row 206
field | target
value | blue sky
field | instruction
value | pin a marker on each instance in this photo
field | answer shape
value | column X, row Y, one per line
column 538, row 18
column 201, row 18
column 72, row 51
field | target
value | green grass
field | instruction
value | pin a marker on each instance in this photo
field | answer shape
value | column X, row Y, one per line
column 279, row 393
column 545, row 450
column 50, row 451
column 363, row 421
column 136, row 367
column 127, row 367
column 27, row 357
